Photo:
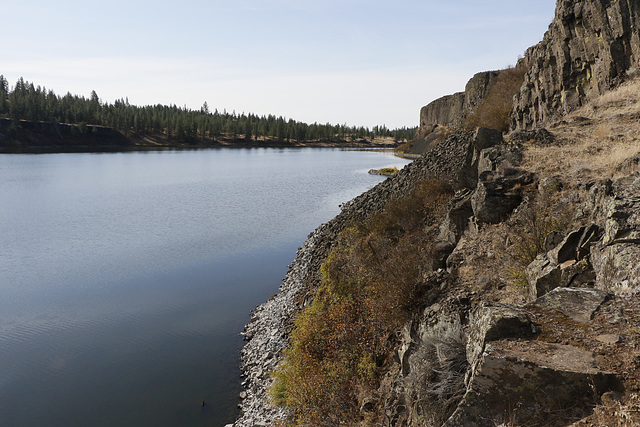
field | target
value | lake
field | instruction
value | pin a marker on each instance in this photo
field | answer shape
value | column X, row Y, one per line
column 126, row 278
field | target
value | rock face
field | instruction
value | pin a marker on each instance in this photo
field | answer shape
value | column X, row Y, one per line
column 615, row 258
column 590, row 47
column 498, row 194
column 578, row 304
column 451, row 110
column 443, row 111
column 566, row 264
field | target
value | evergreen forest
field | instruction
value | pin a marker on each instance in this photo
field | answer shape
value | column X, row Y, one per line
column 25, row 101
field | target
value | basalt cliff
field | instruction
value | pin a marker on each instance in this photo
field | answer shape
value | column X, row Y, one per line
column 523, row 304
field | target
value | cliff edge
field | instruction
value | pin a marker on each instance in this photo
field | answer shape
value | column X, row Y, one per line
column 523, row 308
column 590, row 47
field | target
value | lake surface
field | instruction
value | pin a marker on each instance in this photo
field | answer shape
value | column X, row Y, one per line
column 126, row 278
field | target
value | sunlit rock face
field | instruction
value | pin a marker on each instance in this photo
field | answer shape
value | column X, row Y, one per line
column 590, row 47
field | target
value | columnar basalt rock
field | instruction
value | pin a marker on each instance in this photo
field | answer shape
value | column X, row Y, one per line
column 450, row 110
column 590, row 47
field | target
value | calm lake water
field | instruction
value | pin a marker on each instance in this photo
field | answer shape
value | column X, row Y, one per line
column 126, row 278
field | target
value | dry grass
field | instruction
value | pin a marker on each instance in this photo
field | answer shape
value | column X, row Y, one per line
column 614, row 414
column 493, row 111
column 438, row 368
column 593, row 141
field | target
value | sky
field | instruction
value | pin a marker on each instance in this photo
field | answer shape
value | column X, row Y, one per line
column 359, row 62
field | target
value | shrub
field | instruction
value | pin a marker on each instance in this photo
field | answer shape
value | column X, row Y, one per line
column 371, row 282
column 494, row 110
column 530, row 226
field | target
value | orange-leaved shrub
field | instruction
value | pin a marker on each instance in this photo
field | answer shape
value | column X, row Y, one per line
column 372, row 280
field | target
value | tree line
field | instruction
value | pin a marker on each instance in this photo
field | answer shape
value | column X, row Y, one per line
column 25, row 101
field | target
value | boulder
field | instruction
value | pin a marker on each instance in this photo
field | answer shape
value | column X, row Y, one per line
column 566, row 265
column 579, row 304
column 457, row 218
column 493, row 158
column 568, row 248
column 542, row 276
column 486, row 138
column 492, row 322
column 498, row 194
column 530, row 384
column 515, row 380
column 617, row 268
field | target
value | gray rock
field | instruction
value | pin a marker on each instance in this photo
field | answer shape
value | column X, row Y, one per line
column 566, row 265
column 542, row 276
column 486, row 138
column 457, row 218
column 518, row 381
column 617, row 268
column 609, row 338
column 552, row 240
column 622, row 212
column 492, row 322
column 527, row 385
column 497, row 195
column 589, row 47
column 615, row 258
column 568, row 248
column 492, row 159
column 578, row 304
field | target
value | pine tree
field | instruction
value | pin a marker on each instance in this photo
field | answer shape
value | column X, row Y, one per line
column 4, row 96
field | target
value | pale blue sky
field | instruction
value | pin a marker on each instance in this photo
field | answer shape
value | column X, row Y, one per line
column 349, row 61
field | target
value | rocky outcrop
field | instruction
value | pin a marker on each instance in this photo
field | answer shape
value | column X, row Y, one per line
column 468, row 361
column 450, row 110
column 447, row 110
column 603, row 254
column 579, row 304
column 515, row 379
column 565, row 264
column 498, row 194
column 590, row 47
column 267, row 331
column 615, row 257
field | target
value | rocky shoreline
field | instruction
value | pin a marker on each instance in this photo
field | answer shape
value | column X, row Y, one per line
column 268, row 330
column 556, row 343
column 267, row 333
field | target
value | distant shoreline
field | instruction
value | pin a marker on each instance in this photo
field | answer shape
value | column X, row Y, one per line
column 29, row 137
